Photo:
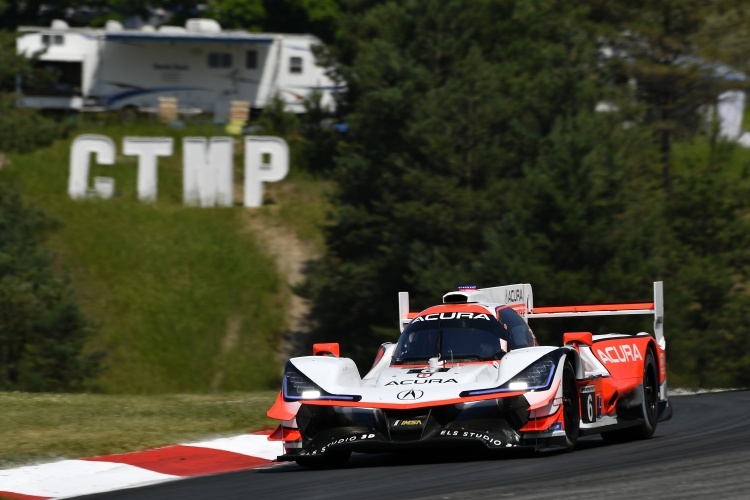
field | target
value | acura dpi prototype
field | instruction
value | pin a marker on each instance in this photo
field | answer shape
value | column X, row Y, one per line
column 470, row 372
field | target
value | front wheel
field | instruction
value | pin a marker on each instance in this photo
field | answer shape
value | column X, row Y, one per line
column 571, row 407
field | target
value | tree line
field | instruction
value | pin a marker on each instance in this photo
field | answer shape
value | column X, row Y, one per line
column 475, row 154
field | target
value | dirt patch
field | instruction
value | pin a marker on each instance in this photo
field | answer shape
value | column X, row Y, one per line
column 292, row 256
column 228, row 343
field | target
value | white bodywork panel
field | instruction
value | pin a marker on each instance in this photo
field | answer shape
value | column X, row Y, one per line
column 384, row 383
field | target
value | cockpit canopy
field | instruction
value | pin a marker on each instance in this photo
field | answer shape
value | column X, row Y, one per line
column 462, row 337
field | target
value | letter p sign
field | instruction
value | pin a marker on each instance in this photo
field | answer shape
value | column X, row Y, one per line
column 266, row 160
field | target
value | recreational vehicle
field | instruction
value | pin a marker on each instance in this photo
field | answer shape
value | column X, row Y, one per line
column 200, row 65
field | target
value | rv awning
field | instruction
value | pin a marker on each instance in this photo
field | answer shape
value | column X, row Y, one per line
column 213, row 38
column 61, row 57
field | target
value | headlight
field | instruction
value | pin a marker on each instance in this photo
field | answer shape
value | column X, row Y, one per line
column 297, row 387
column 537, row 376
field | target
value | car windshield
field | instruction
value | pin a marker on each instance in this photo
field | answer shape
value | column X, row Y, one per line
column 471, row 337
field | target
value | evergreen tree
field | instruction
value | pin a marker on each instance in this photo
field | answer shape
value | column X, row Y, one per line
column 584, row 225
column 476, row 156
column 709, row 268
column 449, row 105
column 661, row 48
column 654, row 46
column 42, row 331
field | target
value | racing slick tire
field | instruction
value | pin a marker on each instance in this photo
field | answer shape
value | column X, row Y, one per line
column 330, row 460
column 571, row 407
column 649, row 407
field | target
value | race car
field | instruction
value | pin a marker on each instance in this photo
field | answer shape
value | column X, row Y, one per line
column 470, row 371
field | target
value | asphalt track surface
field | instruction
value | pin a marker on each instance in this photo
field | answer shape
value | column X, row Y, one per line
column 704, row 451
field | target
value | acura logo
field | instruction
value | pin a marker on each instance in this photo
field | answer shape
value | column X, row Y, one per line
column 409, row 395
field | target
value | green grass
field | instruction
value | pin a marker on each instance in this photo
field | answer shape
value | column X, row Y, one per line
column 46, row 427
column 184, row 299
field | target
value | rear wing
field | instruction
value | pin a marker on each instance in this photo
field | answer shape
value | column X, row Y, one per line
column 521, row 298
column 656, row 308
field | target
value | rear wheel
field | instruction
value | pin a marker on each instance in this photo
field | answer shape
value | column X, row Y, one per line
column 649, row 407
column 571, row 406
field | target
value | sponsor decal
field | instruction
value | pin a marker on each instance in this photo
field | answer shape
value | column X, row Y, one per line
column 424, row 375
column 407, row 423
column 588, row 404
column 619, row 354
column 663, row 363
column 427, row 370
column 557, row 426
column 431, row 381
column 474, row 435
column 350, row 439
column 409, row 395
column 557, row 401
column 514, row 295
column 452, row 315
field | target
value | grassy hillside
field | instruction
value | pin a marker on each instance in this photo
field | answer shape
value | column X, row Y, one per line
column 185, row 299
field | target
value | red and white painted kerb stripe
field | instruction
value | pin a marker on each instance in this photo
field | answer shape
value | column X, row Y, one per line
column 69, row 478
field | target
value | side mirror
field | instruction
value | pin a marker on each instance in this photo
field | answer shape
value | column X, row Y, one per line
column 578, row 338
column 326, row 349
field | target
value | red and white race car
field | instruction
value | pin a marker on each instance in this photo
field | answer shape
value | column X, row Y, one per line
column 470, row 372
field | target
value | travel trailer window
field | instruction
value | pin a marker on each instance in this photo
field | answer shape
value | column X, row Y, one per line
column 251, row 59
column 295, row 65
column 53, row 40
column 219, row 60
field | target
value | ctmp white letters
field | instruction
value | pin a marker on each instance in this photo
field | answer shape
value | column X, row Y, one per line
column 207, row 173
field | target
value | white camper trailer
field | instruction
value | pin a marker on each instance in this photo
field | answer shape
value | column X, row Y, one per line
column 202, row 66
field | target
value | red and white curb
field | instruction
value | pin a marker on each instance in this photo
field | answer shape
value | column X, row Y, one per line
column 70, row 478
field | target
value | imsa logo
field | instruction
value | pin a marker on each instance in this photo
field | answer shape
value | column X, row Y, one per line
column 407, row 423
column 619, row 354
